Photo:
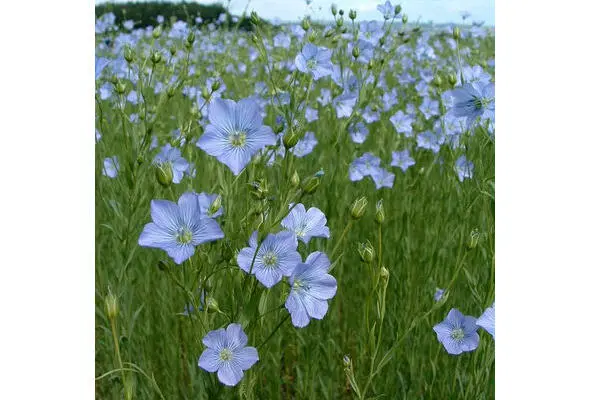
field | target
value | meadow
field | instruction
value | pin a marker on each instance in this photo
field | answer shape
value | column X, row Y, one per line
column 297, row 212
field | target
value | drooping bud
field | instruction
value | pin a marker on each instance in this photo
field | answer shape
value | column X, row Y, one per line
column 164, row 174
column 212, row 305
column 170, row 91
column 358, row 207
column 341, row 12
column 366, row 252
column 111, row 305
column 380, row 215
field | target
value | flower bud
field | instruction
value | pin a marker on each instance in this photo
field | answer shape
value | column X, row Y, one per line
column 128, row 54
column 340, row 22
column 397, row 9
column 164, row 174
column 191, row 38
column 306, row 24
column 347, row 361
column 215, row 85
column 212, row 305
column 474, row 238
column 215, row 205
column 437, row 81
column 155, row 57
column 352, row 14
column 355, row 52
column 333, row 9
column 295, row 179
column 111, row 306
column 157, row 32
column 452, row 79
column 341, row 12
column 358, row 207
column 382, row 40
column 310, row 184
column 456, row 33
column 170, row 91
column 259, row 189
column 404, row 19
column 384, row 275
column 120, row 87
column 366, row 252
column 380, row 215
column 172, row 50
column 329, row 33
column 254, row 18
column 370, row 65
column 290, row 139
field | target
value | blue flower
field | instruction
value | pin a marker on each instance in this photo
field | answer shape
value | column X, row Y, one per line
column 177, row 229
column 365, row 165
column 402, row 123
column 314, row 60
column 99, row 64
column 305, row 145
column 344, row 104
column 474, row 100
column 402, row 159
column 111, row 167
column 457, row 333
column 311, row 287
column 306, row 224
column 227, row 354
column 382, row 178
column 439, row 294
column 277, row 257
column 429, row 107
column 487, row 320
column 387, row 10
column 172, row 156
column 236, row 133
column 429, row 141
column 464, row 168
column 358, row 132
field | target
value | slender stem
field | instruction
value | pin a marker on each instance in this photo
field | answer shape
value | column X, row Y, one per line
column 118, row 355
column 274, row 331
column 347, row 228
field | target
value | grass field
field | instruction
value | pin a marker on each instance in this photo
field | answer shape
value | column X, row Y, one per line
column 436, row 230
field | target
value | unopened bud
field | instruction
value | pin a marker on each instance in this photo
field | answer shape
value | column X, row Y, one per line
column 340, row 22
column 128, row 55
column 352, row 14
column 341, row 12
column 120, row 87
column 366, row 252
column 310, row 184
column 155, row 57
column 170, row 91
column 306, row 24
column 212, row 305
column 355, row 52
column 404, row 19
column 382, row 40
column 358, row 207
column 397, row 9
column 172, row 50
column 295, row 179
column 164, row 174
column 333, row 9
column 329, row 33
column 456, row 33
column 437, row 81
column 254, row 18
column 290, row 139
column 215, row 206
column 370, row 65
column 452, row 79
column 215, row 85
column 384, row 274
column 347, row 362
column 111, row 306
column 157, row 32
column 191, row 38
column 474, row 238
column 380, row 215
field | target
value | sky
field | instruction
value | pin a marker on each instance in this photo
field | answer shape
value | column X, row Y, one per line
column 438, row 11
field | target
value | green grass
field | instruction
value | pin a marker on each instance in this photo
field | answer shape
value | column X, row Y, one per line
column 429, row 219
